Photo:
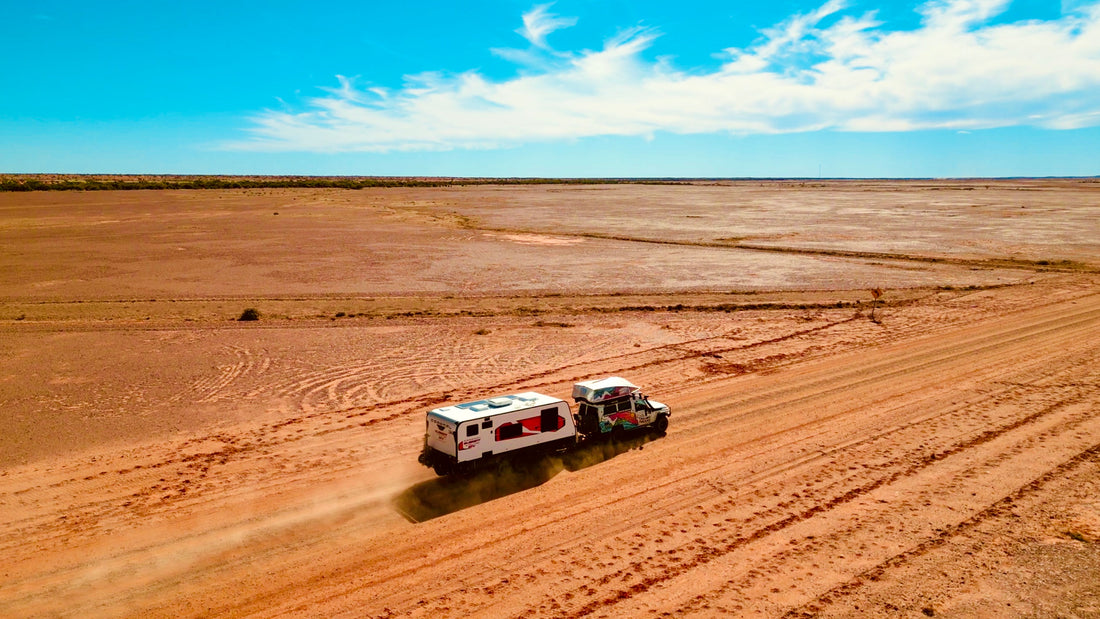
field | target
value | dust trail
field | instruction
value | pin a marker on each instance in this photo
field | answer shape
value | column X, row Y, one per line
column 140, row 562
column 445, row 495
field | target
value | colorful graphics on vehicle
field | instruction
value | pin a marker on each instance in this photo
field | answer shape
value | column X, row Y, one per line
column 624, row 419
column 612, row 392
column 610, row 388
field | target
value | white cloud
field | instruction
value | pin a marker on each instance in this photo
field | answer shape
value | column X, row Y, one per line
column 538, row 22
column 956, row 71
column 958, row 14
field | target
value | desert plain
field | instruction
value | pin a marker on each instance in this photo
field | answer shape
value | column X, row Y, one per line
column 937, row 457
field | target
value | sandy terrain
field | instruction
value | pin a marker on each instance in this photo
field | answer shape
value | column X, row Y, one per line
column 160, row 458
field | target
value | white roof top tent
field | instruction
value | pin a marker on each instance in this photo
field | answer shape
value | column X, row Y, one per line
column 602, row 390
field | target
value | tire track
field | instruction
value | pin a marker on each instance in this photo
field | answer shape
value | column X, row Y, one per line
column 717, row 552
column 837, row 385
column 996, row 510
column 952, row 481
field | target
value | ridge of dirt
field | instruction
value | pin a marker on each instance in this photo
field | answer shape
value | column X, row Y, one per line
column 1037, row 265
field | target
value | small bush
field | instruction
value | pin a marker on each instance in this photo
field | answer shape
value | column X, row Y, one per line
column 250, row 313
column 1074, row 535
column 876, row 294
column 482, row 332
column 544, row 323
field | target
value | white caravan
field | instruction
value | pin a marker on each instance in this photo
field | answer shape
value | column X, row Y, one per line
column 464, row 437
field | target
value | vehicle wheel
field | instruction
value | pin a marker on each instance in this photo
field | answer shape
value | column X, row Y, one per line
column 442, row 468
column 661, row 425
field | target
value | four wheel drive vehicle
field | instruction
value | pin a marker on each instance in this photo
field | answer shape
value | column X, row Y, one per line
column 465, row 437
column 614, row 404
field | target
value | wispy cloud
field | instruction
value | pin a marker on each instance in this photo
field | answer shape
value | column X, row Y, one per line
column 825, row 69
column 539, row 22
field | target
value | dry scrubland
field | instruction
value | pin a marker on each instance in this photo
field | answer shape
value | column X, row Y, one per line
column 159, row 457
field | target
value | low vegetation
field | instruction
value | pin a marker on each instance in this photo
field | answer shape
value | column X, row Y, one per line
column 93, row 182
column 548, row 323
column 876, row 294
column 249, row 314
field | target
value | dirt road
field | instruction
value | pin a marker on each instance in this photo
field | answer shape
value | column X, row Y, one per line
column 926, row 474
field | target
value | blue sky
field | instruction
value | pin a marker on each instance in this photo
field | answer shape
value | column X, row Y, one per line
column 790, row 88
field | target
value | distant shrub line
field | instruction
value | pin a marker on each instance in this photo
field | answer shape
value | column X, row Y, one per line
column 96, row 183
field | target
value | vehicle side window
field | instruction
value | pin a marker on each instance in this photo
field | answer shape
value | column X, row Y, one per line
column 508, row 431
column 471, row 430
column 548, row 420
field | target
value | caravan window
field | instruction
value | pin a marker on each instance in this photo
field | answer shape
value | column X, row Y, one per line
column 471, row 430
column 548, row 420
column 509, row 431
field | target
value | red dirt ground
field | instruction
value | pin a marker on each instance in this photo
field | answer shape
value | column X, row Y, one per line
column 160, row 458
